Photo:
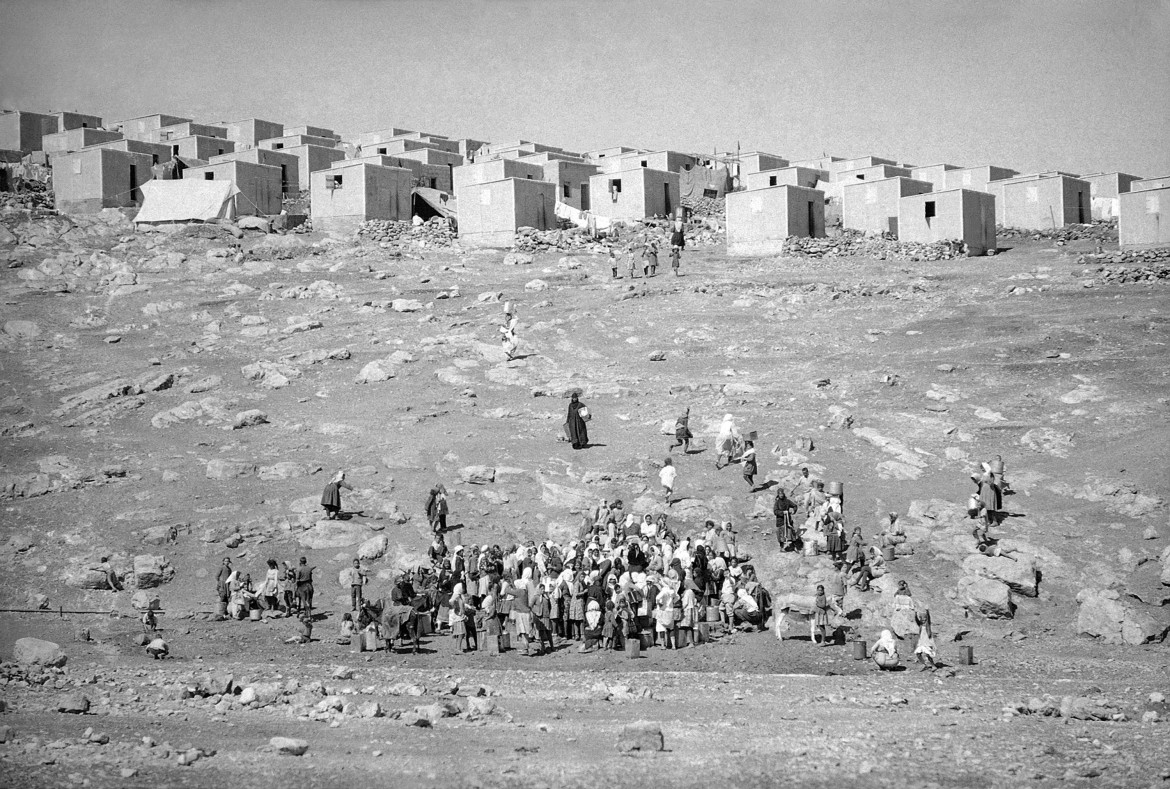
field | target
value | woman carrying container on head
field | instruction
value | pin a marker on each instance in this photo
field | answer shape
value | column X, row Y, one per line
column 885, row 652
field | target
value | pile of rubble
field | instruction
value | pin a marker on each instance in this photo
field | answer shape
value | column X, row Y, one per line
column 1146, row 265
column 575, row 239
column 1097, row 231
column 706, row 206
column 33, row 195
column 854, row 243
column 435, row 232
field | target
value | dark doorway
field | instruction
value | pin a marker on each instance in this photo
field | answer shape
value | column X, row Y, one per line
column 134, row 193
column 284, row 178
column 812, row 220
column 666, row 199
column 1080, row 208
column 584, row 197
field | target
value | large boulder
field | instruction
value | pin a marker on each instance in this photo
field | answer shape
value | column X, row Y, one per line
column 477, row 475
column 332, row 534
column 218, row 468
column 986, row 597
column 1102, row 614
column 904, row 622
column 375, row 371
column 640, row 736
column 38, row 651
column 373, row 548
column 151, row 571
column 1019, row 574
column 288, row 746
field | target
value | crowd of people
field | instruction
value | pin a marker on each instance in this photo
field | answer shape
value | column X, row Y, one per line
column 626, row 577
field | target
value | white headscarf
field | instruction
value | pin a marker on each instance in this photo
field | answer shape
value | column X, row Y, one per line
column 338, row 477
column 887, row 643
column 456, row 593
column 727, row 431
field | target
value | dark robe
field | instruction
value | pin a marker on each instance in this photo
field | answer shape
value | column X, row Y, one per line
column 331, row 497
column 578, row 431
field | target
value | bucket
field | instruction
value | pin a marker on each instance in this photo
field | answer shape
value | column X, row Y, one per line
column 888, row 553
column 997, row 466
column 836, row 488
column 370, row 641
column 702, row 633
column 753, row 436
column 505, row 641
column 647, row 639
column 633, row 647
column 424, row 625
column 811, row 548
column 859, row 650
column 966, row 656
column 712, row 613
column 507, row 308
column 682, row 637
column 221, row 608
column 255, row 614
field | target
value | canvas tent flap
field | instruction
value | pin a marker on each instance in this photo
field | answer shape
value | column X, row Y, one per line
column 443, row 204
column 692, row 183
column 187, row 201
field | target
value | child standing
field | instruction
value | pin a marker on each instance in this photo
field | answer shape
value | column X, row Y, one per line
column 682, row 433
column 613, row 263
column 666, row 477
column 749, row 464
column 630, row 260
column 650, row 258
column 608, row 629
column 820, row 620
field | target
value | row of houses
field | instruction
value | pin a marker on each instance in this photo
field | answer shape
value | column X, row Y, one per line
column 495, row 188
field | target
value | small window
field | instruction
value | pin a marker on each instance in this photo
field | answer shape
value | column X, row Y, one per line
column 615, row 185
column 929, row 209
column 566, row 190
column 276, row 146
column 771, row 180
column 382, row 150
column 434, row 183
column 220, row 151
column 174, row 150
column 645, row 163
column 333, row 182
column 601, row 156
column 861, row 177
column 209, row 176
column 154, row 158
column 84, row 125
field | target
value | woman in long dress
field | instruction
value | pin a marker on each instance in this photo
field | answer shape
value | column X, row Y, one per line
column 729, row 443
column 578, row 430
column 331, row 497
column 990, row 497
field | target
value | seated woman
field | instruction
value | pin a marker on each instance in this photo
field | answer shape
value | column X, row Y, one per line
column 348, row 630
column 877, row 563
column 902, row 596
column 885, row 652
column 746, row 611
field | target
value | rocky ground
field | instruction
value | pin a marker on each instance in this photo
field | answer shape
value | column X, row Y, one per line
column 171, row 399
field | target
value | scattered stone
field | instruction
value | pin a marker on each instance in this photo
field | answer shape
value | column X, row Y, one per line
column 1103, row 615
column 249, row 418
column 73, row 703
column 640, row 736
column 288, row 746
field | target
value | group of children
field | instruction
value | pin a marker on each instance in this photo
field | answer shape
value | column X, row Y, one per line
column 647, row 253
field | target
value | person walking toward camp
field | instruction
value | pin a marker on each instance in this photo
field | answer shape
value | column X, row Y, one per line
column 650, row 258
column 678, row 240
column 682, row 433
column 331, row 497
column 436, row 508
column 666, row 477
column 728, row 442
column 749, row 464
column 577, row 417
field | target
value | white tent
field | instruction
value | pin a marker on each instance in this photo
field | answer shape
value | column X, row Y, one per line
column 187, row 201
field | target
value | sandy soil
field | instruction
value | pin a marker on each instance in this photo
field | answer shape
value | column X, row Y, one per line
column 1067, row 382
